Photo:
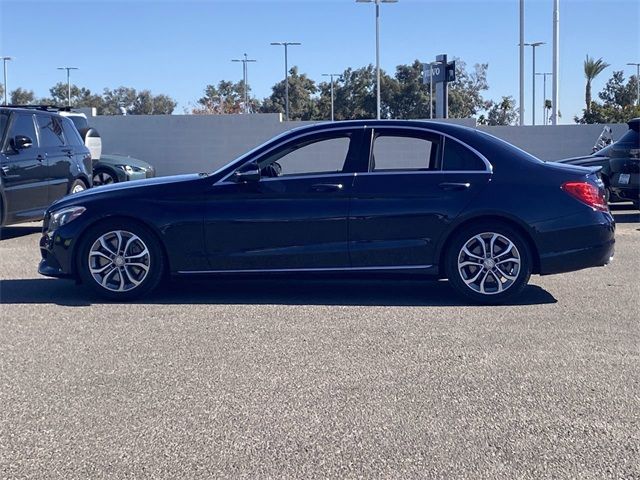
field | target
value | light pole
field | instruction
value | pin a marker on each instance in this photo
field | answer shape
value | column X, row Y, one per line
column 637, row 81
column 555, row 101
column 4, row 61
column 377, row 2
column 68, row 69
column 331, row 75
column 245, row 80
column 544, row 94
column 521, row 53
column 286, row 75
column 533, row 76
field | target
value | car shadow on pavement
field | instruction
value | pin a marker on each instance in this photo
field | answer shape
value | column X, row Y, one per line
column 7, row 233
column 263, row 292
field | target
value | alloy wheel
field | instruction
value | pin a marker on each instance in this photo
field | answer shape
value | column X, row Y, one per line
column 489, row 263
column 119, row 261
column 103, row 178
column 79, row 187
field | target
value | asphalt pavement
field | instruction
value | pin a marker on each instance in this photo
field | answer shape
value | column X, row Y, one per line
column 320, row 378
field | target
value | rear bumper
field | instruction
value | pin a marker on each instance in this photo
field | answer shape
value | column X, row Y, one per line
column 570, row 261
column 577, row 242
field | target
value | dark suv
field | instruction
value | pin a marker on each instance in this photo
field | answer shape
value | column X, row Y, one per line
column 42, row 158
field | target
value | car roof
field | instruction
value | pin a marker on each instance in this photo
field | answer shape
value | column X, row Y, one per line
column 27, row 109
column 444, row 127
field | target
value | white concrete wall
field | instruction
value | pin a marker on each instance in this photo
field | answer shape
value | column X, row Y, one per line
column 202, row 143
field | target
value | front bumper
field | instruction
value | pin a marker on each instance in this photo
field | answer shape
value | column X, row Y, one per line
column 57, row 249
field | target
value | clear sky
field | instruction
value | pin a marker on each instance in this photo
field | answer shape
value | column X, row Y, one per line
column 178, row 47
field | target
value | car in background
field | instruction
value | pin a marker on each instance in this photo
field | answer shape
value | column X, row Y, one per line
column 389, row 196
column 108, row 168
column 620, row 166
column 113, row 168
column 42, row 159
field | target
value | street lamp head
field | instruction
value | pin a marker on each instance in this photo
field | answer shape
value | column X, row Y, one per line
column 633, row 64
column 376, row 1
column 285, row 43
column 6, row 58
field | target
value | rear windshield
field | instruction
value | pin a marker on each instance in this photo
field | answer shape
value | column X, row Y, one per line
column 515, row 151
column 629, row 139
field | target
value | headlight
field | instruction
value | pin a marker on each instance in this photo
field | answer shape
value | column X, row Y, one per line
column 126, row 168
column 64, row 216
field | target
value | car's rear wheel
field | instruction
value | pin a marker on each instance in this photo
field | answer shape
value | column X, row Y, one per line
column 489, row 263
column 103, row 177
column 120, row 260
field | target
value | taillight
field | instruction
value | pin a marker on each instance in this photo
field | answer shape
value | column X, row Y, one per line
column 587, row 193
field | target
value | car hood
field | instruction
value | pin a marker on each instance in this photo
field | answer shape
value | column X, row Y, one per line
column 106, row 191
column 115, row 159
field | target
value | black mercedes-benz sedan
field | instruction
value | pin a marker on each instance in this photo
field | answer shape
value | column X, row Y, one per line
column 359, row 196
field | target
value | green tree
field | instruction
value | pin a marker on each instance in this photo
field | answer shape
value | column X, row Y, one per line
column 355, row 95
column 146, row 103
column 117, row 99
column 226, row 97
column 80, row 96
column 302, row 103
column 592, row 68
column 618, row 102
column 503, row 112
column 20, row 96
column 465, row 93
column 410, row 96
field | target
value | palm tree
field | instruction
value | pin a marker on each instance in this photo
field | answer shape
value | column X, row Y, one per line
column 592, row 68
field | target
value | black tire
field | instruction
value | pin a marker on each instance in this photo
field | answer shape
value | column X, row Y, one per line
column 489, row 287
column 102, row 176
column 122, row 272
column 77, row 186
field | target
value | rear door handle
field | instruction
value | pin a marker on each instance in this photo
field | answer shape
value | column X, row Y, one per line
column 68, row 153
column 454, row 186
column 327, row 187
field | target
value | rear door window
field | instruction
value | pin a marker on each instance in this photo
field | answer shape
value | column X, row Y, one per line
column 50, row 130
column 457, row 157
column 404, row 151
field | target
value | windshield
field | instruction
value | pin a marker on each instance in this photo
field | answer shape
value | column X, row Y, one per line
column 241, row 158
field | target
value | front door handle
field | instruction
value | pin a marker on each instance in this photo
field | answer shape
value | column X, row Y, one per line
column 68, row 153
column 454, row 186
column 327, row 187
column 41, row 157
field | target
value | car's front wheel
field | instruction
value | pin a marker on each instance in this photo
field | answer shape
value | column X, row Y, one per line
column 489, row 263
column 104, row 177
column 120, row 260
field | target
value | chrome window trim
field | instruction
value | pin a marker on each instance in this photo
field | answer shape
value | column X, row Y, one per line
column 320, row 269
column 489, row 167
column 293, row 177
column 421, row 172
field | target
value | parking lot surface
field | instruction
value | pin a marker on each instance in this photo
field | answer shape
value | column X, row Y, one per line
column 320, row 378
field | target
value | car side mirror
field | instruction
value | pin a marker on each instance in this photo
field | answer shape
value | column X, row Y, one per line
column 249, row 173
column 20, row 142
